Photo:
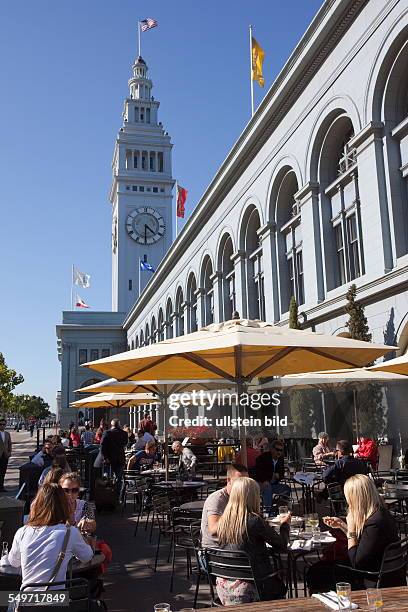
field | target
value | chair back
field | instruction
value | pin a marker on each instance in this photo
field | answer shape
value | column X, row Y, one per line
column 395, row 558
column 336, row 498
column 79, row 594
column 229, row 564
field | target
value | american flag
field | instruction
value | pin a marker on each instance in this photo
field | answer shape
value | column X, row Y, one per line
column 148, row 24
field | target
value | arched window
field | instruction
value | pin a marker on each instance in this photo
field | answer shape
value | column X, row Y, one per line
column 192, row 325
column 207, row 285
column 141, row 342
column 289, row 239
column 137, row 342
column 153, row 331
column 254, row 264
column 226, row 265
column 147, row 335
column 160, row 326
column 169, row 319
column 132, row 345
column 179, row 312
column 340, row 205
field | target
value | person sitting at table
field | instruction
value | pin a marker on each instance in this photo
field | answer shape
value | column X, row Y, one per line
column 142, row 438
column 44, row 457
column 251, row 453
column 369, row 529
column 269, row 470
column 59, row 461
column 131, row 435
column 37, row 546
column 187, row 459
column 87, row 436
column 64, row 439
column 74, row 438
column 344, row 466
column 322, row 451
column 367, row 450
column 242, row 528
column 145, row 458
column 215, row 505
column 83, row 514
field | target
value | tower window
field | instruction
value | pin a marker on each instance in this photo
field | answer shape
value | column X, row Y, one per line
column 105, row 353
column 160, row 161
column 127, row 187
column 151, row 162
column 161, row 190
column 130, row 284
column 82, row 356
column 94, row 354
column 135, row 160
column 148, row 189
column 136, row 114
column 155, row 190
column 147, row 115
column 134, row 187
column 141, row 188
column 142, row 115
column 144, row 155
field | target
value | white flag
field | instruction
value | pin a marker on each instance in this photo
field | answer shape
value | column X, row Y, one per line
column 81, row 279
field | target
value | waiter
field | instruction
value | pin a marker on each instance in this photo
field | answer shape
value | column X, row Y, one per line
column 5, row 452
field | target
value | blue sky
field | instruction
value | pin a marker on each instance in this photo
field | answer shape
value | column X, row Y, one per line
column 64, row 68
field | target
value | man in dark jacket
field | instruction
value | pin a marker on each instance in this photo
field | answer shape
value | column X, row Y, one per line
column 345, row 465
column 269, row 470
column 114, row 442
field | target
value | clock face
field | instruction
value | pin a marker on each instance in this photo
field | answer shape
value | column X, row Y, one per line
column 145, row 225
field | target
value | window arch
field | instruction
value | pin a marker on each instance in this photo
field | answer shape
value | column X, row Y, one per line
column 340, row 204
column 179, row 312
column 137, row 342
column 192, row 324
column 153, row 331
column 169, row 319
column 160, row 325
column 147, row 335
column 226, row 265
column 208, row 295
column 289, row 239
column 250, row 238
column 141, row 341
column 132, row 344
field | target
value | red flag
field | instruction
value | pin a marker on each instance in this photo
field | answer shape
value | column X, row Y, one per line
column 181, row 200
column 80, row 302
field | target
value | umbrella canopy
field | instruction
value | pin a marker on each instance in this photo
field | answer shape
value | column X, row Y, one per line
column 239, row 350
column 115, row 400
column 399, row 365
column 111, row 385
column 355, row 377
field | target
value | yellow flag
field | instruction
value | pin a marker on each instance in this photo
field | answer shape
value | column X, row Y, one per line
column 258, row 55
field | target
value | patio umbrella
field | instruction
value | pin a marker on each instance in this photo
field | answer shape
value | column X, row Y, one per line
column 239, row 350
column 115, row 400
column 399, row 365
column 332, row 380
column 161, row 388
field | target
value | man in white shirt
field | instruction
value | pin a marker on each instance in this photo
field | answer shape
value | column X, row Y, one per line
column 5, row 452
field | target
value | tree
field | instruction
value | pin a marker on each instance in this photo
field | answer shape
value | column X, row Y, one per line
column 293, row 314
column 28, row 406
column 370, row 405
column 9, row 379
column 357, row 323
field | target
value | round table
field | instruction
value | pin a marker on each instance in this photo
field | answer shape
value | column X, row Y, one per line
column 172, row 484
column 194, row 506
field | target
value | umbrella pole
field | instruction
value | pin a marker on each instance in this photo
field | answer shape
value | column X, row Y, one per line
column 355, row 410
column 165, row 446
column 241, row 387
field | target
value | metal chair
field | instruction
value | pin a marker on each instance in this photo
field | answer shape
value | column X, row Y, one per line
column 337, row 500
column 79, row 594
column 181, row 539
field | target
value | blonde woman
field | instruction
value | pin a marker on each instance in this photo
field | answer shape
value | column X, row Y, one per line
column 241, row 527
column 369, row 529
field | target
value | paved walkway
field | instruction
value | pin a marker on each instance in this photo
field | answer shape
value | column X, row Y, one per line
column 23, row 447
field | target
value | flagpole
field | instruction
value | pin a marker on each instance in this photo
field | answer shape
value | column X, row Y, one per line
column 140, row 274
column 250, row 71
column 72, row 288
column 176, row 208
column 138, row 32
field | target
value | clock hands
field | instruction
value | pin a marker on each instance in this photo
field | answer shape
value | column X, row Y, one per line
column 150, row 229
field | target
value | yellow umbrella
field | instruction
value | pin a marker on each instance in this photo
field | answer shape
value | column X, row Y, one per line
column 239, row 350
column 115, row 400
column 399, row 365
column 354, row 377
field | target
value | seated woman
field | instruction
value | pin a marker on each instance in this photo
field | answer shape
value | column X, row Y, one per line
column 241, row 527
column 37, row 545
column 59, row 461
column 83, row 515
column 369, row 528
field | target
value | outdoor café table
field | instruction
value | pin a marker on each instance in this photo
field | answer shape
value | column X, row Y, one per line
column 308, row 480
column 180, row 489
column 194, row 506
column 395, row 598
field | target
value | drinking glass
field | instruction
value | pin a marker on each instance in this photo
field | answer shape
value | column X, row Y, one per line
column 374, row 599
column 313, row 520
column 343, row 592
column 4, row 549
column 162, row 607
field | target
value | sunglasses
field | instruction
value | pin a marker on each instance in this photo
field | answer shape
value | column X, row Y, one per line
column 73, row 490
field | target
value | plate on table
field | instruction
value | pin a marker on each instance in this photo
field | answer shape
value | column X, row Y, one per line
column 295, row 522
column 325, row 538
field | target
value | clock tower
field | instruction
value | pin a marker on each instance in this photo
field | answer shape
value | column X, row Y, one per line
column 141, row 193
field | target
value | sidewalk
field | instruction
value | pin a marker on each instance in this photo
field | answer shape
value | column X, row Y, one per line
column 23, row 446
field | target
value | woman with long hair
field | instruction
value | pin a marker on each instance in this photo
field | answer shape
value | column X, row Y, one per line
column 241, row 527
column 369, row 528
column 83, row 514
column 37, row 546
